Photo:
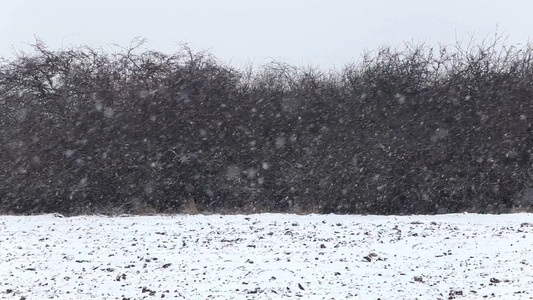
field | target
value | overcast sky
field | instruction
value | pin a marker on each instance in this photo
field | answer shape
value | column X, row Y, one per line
column 300, row 32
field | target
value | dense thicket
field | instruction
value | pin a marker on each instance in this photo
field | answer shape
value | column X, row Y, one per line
column 415, row 130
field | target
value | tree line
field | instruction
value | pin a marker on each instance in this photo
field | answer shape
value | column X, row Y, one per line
column 415, row 130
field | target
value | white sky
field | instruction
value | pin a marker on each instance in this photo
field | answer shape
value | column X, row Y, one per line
column 300, row 32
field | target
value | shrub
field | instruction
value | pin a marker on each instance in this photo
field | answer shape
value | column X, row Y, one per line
column 413, row 130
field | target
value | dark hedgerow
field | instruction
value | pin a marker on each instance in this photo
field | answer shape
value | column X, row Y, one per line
column 410, row 131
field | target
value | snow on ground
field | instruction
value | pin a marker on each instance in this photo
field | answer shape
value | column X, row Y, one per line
column 267, row 256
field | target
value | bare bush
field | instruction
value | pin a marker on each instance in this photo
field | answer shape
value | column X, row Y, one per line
column 412, row 130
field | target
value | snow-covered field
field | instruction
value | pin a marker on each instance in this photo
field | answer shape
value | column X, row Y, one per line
column 267, row 256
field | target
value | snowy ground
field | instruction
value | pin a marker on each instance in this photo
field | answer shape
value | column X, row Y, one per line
column 267, row 256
